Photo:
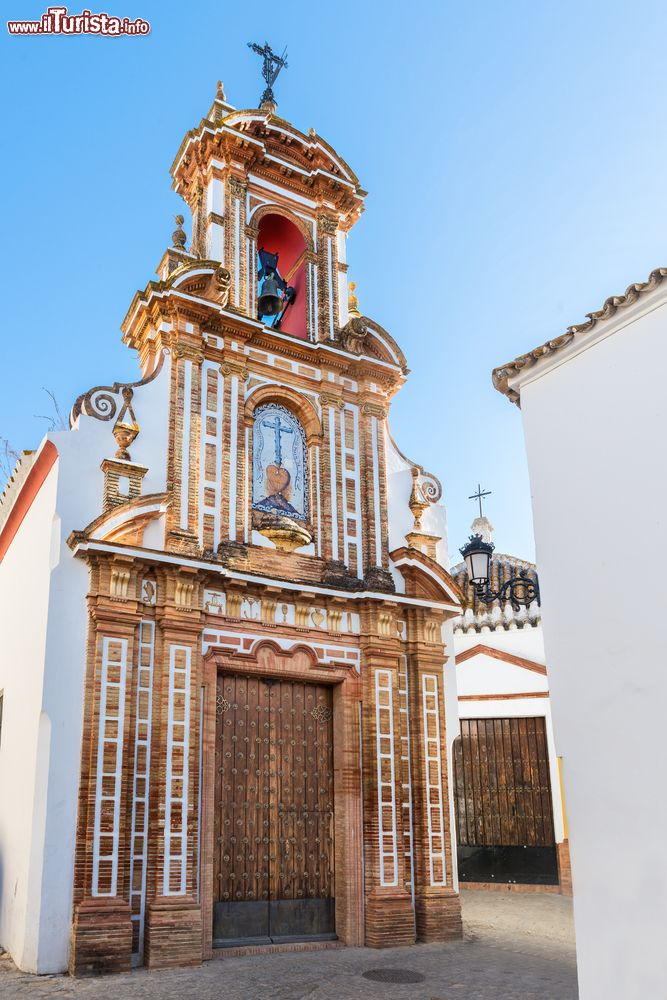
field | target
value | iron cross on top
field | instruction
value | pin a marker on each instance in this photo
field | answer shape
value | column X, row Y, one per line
column 479, row 495
column 278, row 428
column 270, row 69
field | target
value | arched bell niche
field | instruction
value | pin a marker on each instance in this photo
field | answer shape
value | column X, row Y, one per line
column 279, row 235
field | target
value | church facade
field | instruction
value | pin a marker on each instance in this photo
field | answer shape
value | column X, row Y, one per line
column 226, row 612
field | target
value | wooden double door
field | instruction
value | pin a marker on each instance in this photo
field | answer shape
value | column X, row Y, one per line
column 502, row 795
column 274, row 811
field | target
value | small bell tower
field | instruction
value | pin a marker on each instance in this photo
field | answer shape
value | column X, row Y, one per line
column 272, row 206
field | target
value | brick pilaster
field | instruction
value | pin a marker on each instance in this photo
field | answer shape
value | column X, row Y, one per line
column 389, row 912
column 101, row 938
column 173, row 934
column 183, row 459
column 437, row 905
column 237, row 260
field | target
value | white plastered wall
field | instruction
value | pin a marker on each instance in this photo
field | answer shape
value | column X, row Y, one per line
column 43, row 635
column 594, row 429
column 24, row 596
column 400, row 518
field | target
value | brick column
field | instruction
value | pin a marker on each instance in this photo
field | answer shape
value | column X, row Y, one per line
column 374, row 498
column 183, row 464
column 437, row 904
column 327, row 277
column 330, row 482
column 236, row 246
column 235, row 473
column 173, row 934
column 389, row 911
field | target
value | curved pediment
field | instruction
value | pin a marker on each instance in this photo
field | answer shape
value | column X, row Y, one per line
column 205, row 279
column 362, row 335
column 128, row 521
column 280, row 138
column 426, row 578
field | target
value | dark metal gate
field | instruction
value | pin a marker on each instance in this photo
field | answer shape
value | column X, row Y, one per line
column 502, row 790
column 273, row 857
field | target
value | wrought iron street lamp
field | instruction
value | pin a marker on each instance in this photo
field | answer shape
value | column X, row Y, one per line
column 520, row 590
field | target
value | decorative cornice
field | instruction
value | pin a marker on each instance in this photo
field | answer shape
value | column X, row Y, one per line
column 502, row 375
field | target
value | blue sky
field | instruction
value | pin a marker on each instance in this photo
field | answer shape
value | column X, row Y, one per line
column 514, row 154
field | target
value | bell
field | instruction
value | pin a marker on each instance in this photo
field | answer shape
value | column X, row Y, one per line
column 269, row 302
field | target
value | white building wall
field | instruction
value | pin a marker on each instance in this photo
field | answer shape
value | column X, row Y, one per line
column 43, row 633
column 594, row 427
column 24, row 743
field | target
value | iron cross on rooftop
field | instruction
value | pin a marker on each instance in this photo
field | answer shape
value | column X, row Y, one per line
column 270, row 69
column 479, row 496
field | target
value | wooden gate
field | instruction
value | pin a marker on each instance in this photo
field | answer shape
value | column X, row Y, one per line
column 274, row 851
column 502, row 789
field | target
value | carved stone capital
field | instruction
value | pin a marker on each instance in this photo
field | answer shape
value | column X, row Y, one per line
column 188, row 352
column 374, row 410
column 329, row 399
column 327, row 224
column 237, row 187
column 237, row 368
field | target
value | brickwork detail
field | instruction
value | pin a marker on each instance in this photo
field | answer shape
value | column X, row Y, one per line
column 436, row 819
column 386, row 778
column 178, row 752
column 109, row 767
column 141, row 782
column 211, row 457
column 406, row 779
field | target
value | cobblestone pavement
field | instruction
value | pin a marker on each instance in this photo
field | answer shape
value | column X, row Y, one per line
column 516, row 947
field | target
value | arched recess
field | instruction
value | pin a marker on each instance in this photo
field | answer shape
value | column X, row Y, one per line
column 302, row 502
column 292, row 400
column 278, row 231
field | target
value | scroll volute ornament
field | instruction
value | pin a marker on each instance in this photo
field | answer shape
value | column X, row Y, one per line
column 354, row 335
column 222, row 284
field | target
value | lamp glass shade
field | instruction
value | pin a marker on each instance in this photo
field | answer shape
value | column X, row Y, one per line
column 477, row 554
column 477, row 564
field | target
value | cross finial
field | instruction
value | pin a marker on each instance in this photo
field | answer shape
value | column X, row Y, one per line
column 271, row 67
column 479, row 496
